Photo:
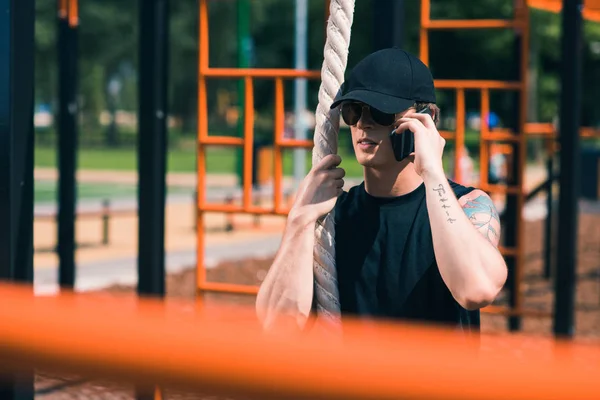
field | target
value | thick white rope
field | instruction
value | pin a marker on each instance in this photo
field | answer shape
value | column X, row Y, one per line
column 341, row 14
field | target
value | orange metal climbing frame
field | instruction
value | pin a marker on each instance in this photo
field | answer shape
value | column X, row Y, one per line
column 590, row 12
column 205, row 140
column 500, row 138
column 517, row 139
column 505, row 138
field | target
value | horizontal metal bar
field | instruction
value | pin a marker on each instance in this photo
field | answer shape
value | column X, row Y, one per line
column 589, row 132
column 235, row 209
column 266, row 211
column 503, row 131
column 590, row 10
column 547, row 129
column 220, row 208
column 84, row 342
column 470, row 24
column 259, row 73
column 221, row 141
column 502, row 148
column 500, row 189
column 296, row 143
column 229, row 288
column 448, row 135
column 536, row 128
column 501, row 137
column 477, row 84
column 546, row 135
column 90, row 214
column 522, row 312
column 508, row 251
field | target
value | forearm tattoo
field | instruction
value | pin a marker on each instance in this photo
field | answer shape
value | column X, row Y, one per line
column 444, row 200
column 482, row 213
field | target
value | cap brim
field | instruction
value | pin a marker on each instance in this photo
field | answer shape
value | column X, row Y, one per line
column 383, row 102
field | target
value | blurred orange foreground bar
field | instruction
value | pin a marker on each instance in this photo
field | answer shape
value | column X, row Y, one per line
column 224, row 351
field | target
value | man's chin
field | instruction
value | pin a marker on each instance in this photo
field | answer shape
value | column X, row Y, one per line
column 381, row 165
column 371, row 163
column 365, row 161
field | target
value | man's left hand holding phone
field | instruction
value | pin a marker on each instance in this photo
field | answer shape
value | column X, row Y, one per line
column 403, row 143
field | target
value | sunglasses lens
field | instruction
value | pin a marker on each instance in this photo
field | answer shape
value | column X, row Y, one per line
column 351, row 113
column 382, row 118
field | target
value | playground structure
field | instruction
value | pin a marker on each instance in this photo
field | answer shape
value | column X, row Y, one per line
column 151, row 250
column 513, row 142
column 104, row 214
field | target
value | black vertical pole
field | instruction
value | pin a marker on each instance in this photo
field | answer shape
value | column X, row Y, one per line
column 152, row 145
column 570, row 101
column 388, row 21
column 67, row 147
column 398, row 23
column 16, row 161
column 509, row 227
column 512, row 213
column 548, row 248
column 152, row 152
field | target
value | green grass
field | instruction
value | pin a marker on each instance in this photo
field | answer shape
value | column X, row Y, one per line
column 45, row 191
column 114, row 159
column 218, row 160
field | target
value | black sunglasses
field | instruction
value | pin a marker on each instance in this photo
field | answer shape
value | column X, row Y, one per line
column 352, row 111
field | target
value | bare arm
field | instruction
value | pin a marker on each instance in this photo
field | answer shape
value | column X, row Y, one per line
column 480, row 209
column 285, row 297
column 465, row 239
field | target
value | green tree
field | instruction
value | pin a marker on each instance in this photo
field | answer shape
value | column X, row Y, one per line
column 108, row 49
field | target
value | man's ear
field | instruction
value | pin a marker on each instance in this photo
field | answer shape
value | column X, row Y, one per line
column 435, row 114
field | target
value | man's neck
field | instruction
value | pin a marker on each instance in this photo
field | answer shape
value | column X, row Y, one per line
column 391, row 183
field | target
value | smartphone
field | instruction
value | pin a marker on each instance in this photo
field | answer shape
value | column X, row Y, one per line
column 403, row 143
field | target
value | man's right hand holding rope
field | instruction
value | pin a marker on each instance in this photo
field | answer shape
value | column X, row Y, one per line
column 319, row 190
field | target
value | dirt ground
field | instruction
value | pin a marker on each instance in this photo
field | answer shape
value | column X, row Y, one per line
column 180, row 234
column 537, row 290
column 538, row 294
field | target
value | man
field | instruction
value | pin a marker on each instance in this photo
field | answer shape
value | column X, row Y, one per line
column 410, row 244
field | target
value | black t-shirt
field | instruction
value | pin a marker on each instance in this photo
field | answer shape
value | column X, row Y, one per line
column 385, row 260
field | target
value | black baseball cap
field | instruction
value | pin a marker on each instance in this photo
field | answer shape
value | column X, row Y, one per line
column 390, row 80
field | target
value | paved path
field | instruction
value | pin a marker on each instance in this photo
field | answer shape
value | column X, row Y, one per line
column 213, row 194
column 93, row 275
column 181, row 179
column 96, row 275
column 103, row 266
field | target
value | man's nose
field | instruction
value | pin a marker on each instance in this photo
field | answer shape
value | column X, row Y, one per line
column 366, row 120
